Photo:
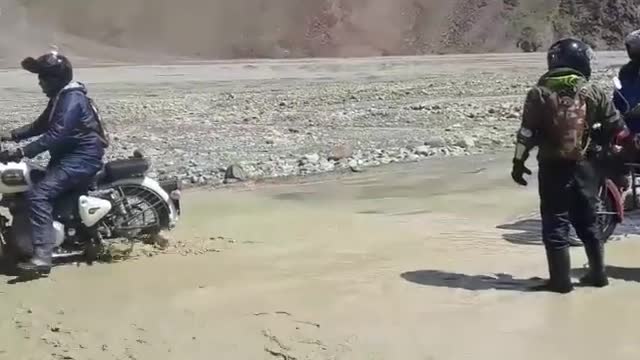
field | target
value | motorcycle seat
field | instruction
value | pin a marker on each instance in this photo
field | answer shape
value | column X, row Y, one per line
column 121, row 169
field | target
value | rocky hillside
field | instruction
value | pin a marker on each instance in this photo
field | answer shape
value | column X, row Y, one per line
column 288, row 28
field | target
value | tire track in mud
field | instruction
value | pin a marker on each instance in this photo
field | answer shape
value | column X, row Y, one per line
column 289, row 338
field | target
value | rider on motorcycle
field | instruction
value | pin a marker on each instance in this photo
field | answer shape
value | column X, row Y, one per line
column 70, row 129
column 626, row 100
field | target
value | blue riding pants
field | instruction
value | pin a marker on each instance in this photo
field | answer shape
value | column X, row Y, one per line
column 42, row 196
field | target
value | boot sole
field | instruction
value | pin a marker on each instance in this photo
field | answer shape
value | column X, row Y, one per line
column 548, row 288
column 599, row 281
column 35, row 272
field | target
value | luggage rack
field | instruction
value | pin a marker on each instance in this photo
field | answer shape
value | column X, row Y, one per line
column 635, row 172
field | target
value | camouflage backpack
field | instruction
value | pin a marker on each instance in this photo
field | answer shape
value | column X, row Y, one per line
column 565, row 124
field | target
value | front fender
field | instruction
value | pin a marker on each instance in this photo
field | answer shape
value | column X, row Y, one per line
column 617, row 197
column 154, row 186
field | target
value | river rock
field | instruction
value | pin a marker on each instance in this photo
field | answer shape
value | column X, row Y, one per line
column 424, row 150
column 436, row 142
column 310, row 159
column 233, row 173
column 340, row 152
column 465, row 142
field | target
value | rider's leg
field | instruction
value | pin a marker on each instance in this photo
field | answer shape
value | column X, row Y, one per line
column 554, row 181
column 41, row 198
column 583, row 213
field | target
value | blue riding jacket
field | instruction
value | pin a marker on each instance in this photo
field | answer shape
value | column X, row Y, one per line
column 70, row 131
column 629, row 76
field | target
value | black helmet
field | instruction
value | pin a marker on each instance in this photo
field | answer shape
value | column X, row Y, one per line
column 51, row 65
column 571, row 53
column 632, row 43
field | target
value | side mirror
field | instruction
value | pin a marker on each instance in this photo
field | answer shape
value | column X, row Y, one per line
column 616, row 83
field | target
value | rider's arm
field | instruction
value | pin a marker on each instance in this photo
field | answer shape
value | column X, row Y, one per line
column 614, row 125
column 67, row 116
column 38, row 127
column 527, row 134
column 619, row 103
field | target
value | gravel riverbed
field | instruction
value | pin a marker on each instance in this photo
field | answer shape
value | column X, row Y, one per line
column 204, row 131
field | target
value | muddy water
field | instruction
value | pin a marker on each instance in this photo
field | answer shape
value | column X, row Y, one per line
column 420, row 261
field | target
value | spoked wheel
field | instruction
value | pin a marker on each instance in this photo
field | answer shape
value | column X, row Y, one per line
column 607, row 215
column 139, row 213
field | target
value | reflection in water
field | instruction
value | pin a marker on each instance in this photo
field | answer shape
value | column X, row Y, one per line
column 294, row 196
column 526, row 230
column 615, row 272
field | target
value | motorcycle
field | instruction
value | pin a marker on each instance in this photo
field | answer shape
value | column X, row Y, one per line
column 611, row 206
column 121, row 202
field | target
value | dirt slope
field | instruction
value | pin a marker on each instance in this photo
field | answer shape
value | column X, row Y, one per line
column 286, row 28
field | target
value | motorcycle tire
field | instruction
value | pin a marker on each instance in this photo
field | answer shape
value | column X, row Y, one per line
column 607, row 218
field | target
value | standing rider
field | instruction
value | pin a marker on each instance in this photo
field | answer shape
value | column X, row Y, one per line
column 568, row 117
column 71, row 131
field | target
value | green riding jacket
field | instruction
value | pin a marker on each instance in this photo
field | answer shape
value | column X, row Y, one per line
column 599, row 109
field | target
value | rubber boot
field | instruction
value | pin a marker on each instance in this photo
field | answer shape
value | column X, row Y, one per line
column 597, row 275
column 40, row 263
column 559, row 261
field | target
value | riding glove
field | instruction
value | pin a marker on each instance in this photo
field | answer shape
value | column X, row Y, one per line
column 14, row 155
column 518, row 171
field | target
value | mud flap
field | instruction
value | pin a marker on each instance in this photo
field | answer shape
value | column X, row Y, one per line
column 172, row 187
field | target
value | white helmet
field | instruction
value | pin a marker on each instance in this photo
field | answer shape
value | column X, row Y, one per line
column 632, row 43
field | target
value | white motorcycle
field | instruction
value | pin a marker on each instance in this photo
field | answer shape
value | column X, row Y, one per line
column 120, row 202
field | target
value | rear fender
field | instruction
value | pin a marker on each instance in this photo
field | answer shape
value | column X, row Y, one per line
column 613, row 190
column 153, row 186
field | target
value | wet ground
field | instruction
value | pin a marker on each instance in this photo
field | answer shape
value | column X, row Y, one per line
column 430, row 260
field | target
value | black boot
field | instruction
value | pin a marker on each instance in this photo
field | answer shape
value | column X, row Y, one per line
column 39, row 264
column 597, row 275
column 559, row 261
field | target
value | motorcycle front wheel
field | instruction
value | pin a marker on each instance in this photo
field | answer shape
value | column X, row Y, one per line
column 607, row 214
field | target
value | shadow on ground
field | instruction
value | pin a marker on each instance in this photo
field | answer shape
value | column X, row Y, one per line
column 528, row 232
column 614, row 272
column 504, row 282
column 447, row 279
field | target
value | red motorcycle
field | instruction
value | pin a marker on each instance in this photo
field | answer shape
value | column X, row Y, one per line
column 611, row 205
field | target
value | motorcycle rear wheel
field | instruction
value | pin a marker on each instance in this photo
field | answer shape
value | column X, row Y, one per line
column 146, row 213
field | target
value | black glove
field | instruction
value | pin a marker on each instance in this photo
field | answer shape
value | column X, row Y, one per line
column 518, row 171
column 11, row 155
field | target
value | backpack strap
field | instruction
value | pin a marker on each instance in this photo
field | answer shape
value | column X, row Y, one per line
column 104, row 136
